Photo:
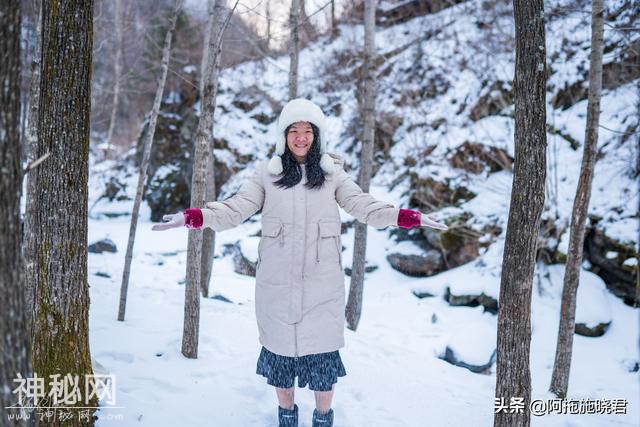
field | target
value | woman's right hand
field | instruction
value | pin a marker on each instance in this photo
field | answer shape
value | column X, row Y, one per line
column 172, row 221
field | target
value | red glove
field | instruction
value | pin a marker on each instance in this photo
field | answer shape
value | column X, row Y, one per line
column 408, row 218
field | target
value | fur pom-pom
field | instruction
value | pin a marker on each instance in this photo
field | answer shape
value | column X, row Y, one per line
column 275, row 165
column 326, row 163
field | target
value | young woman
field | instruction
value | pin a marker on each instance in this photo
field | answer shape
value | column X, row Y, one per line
column 300, row 294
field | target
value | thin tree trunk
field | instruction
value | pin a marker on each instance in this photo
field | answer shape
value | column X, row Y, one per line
column 334, row 28
column 14, row 338
column 31, row 139
column 117, row 75
column 356, row 289
column 148, row 143
column 294, row 47
column 208, row 235
column 566, row 329
column 268, row 16
column 61, row 324
column 204, row 134
column 513, row 377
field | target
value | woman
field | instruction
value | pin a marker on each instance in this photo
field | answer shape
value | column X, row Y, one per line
column 300, row 295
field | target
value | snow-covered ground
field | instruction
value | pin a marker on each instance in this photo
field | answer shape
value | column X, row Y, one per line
column 394, row 376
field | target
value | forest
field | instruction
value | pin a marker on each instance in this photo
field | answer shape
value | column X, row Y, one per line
column 471, row 247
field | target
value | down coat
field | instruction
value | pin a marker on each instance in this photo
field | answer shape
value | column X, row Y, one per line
column 300, row 292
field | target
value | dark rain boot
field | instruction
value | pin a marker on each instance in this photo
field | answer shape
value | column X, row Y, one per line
column 322, row 420
column 288, row 417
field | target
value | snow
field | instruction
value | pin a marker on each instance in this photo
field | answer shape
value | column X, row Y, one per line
column 397, row 339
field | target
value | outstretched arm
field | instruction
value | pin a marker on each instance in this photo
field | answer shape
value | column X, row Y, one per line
column 368, row 210
column 225, row 214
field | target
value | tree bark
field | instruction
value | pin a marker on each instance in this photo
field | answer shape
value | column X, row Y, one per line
column 117, row 68
column 566, row 329
column 294, row 47
column 204, row 135
column 61, row 324
column 513, row 377
column 208, row 235
column 148, row 143
column 356, row 289
column 14, row 337
column 31, row 139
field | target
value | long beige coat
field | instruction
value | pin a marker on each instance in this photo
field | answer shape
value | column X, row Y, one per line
column 300, row 293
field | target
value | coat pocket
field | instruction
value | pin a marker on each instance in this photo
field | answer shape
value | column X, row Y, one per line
column 328, row 243
column 272, row 235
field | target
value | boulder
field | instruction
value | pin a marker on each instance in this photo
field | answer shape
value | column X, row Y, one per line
column 450, row 356
column 104, row 245
column 489, row 303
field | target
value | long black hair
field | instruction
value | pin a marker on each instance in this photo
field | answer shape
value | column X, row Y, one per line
column 292, row 170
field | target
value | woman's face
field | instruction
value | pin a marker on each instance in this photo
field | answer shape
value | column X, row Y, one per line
column 299, row 140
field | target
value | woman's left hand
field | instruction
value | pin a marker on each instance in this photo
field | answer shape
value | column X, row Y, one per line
column 429, row 221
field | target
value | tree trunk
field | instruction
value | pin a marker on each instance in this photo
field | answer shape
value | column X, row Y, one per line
column 14, row 338
column 208, row 235
column 61, row 323
column 294, row 47
column 267, row 12
column 204, row 134
column 566, row 329
column 354, row 302
column 117, row 75
column 148, row 143
column 513, row 378
column 31, row 139
column 334, row 28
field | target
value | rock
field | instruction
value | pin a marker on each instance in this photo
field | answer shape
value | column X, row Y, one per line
column 417, row 265
column 449, row 356
column 422, row 294
column 497, row 97
column 490, row 304
column 592, row 331
column 367, row 269
column 620, row 279
column 104, row 245
column 220, row 297
column 103, row 274
column 241, row 264
column 478, row 158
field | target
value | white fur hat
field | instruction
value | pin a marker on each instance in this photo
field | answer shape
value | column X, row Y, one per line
column 300, row 110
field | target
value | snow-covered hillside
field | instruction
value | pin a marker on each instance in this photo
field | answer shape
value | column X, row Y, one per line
column 448, row 91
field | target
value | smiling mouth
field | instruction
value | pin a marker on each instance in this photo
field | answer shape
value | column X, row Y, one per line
column 300, row 146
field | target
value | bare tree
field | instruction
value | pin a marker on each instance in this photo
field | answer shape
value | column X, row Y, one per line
column 61, row 321
column 117, row 71
column 334, row 28
column 14, row 337
column 267, row 12
column 354, row 302
column 148, row 143
column 204, row 135
column 294, row 47
column 566, row 329
column 513, row 376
